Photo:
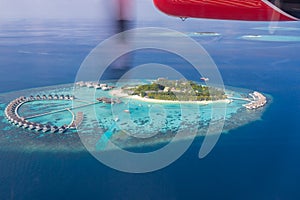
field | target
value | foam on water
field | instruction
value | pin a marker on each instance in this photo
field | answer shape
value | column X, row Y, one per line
column 271, row 38
column 277, row 28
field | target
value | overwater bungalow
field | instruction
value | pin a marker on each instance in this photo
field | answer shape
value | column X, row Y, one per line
column 22, row 98
column 20, row 123
column 16, row 121
column 89, row 85
column 44, row 97
column 26, row 125
column 105, row 88
column 13, row 106
column 50, row 97
column 31, row 98
column 67, row 97
column 81, row 83
column 38, row 97
column 61, row 97
column 72, row 97
column 97, row 87
column 18, row 101
column 56, row 97
column 10, row 119
column 32, row 126
column 7, row 116
column 46, row 128
column 39, row 127
column 62, row 129
column 54, row 129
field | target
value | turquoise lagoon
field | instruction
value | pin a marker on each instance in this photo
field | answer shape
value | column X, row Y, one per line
column 146, row 124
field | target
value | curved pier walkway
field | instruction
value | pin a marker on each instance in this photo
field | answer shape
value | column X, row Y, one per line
column 11, row 113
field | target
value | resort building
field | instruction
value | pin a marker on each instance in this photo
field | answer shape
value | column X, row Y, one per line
column 259, row 100
column 96, row 85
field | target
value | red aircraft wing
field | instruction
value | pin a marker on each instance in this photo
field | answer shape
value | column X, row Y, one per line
column 250, row 10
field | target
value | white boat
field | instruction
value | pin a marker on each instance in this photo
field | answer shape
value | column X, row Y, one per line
column 204, row 79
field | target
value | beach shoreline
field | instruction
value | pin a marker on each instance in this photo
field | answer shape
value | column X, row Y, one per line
column 120, row 94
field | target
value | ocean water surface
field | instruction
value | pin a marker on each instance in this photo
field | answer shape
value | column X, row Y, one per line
column 259, row 160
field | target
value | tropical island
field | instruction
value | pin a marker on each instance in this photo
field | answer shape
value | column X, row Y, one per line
column 175, row 90
column 52, row 113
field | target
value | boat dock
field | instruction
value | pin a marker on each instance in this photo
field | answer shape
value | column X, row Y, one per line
column 109, row 100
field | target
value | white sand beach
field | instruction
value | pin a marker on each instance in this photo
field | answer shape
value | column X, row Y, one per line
column 120, row 94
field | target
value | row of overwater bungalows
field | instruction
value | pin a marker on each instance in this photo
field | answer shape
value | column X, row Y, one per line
column 11, row 113
column 51, row 97
column 96, row 85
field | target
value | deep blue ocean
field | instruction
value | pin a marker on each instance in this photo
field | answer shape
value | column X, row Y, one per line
column 258, row 161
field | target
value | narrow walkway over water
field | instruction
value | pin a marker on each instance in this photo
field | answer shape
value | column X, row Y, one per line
column 238, row 98
column 61, row 110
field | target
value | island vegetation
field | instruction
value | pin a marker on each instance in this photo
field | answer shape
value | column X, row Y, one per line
column 176, row 90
